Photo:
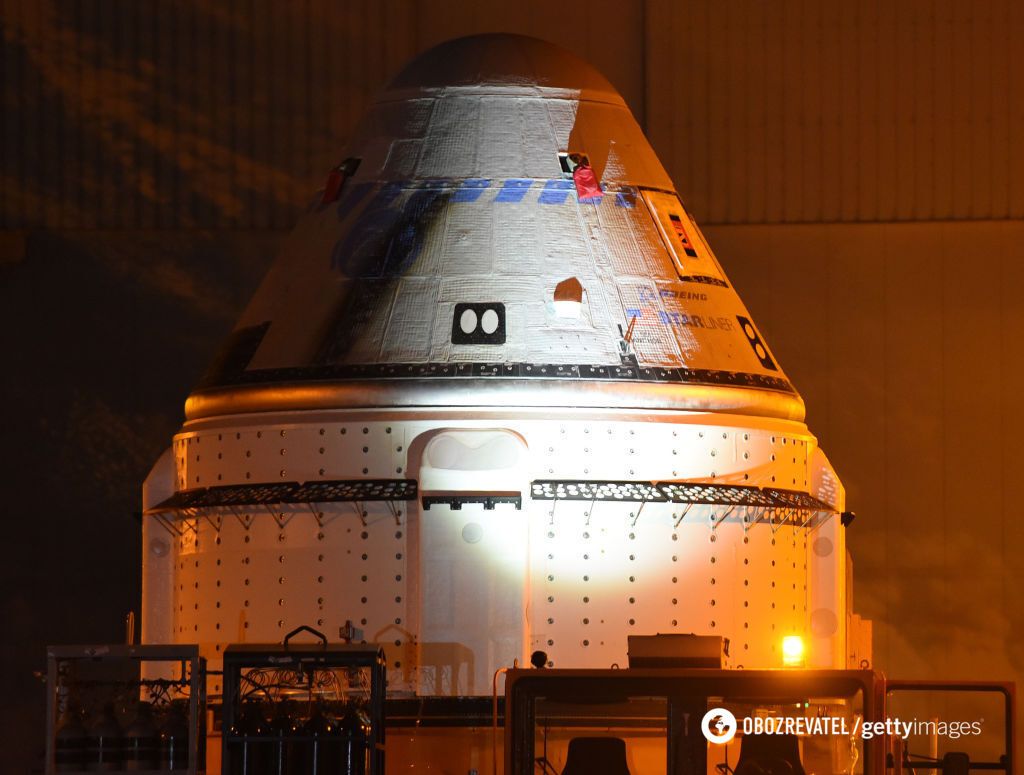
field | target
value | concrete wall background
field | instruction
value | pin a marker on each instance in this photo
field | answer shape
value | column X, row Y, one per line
column 856, row 162
column 203, row 114
column 905, row 341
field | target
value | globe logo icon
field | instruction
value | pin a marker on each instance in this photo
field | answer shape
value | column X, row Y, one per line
column 718, row 726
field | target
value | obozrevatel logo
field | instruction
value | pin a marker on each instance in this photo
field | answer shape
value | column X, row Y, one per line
column 718, row 725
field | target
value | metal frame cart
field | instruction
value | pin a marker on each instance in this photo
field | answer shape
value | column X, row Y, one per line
column 107, row 679
column 325, row 703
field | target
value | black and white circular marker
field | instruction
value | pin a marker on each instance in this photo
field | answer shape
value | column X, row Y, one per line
column 481, row 323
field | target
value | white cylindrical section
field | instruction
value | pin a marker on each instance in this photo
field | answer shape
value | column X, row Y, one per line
column 158, row 553
column 826, row 599
column 454, row 593
column 827, row 606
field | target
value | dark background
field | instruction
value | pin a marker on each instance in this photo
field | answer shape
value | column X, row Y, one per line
column 856, row 165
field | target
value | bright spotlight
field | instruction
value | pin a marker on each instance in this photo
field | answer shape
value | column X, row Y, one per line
column 793, row 651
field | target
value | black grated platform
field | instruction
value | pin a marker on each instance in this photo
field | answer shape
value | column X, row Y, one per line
column 676, row 492
column 329, row 491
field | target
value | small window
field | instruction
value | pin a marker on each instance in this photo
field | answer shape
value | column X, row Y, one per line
column 570, row 161
column 756, row 344
column 479, row 323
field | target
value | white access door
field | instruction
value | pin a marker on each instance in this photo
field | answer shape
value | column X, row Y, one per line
column 469, row 559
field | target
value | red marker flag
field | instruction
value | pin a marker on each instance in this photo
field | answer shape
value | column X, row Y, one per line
column 587, row 187
column 332, row 188
column 336, row 180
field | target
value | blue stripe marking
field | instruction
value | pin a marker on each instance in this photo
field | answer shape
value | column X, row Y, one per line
column 388, row 194
column 514, row 190
column 626, row 198
column 471, row 190
column 511, row 190
column 555, row 192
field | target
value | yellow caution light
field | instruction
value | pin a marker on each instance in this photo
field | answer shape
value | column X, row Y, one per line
column 793, row 651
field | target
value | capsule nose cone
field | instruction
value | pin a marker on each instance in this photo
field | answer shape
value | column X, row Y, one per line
column 501, row 230
column 501, row 59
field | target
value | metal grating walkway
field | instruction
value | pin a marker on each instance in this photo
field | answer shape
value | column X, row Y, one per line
column 331, row 491
column 677, row 492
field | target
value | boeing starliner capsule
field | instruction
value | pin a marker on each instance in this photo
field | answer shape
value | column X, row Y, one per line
column 497, row 396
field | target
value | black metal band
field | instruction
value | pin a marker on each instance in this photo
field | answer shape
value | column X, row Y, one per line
column 455, row 371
